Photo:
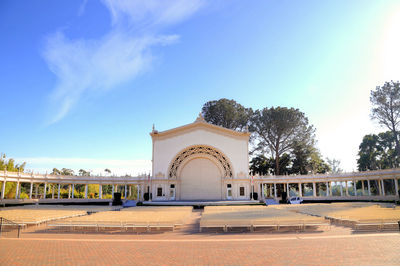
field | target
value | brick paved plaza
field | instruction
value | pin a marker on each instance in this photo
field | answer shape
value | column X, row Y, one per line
column 228, row 249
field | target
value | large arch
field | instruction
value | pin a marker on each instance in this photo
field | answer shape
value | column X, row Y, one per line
column 200, row 179
column 200, row 150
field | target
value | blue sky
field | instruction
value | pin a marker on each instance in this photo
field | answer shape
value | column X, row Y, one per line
column 82, row 82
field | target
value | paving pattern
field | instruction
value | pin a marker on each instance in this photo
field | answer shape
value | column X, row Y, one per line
column 331, row 246
column 368, row 249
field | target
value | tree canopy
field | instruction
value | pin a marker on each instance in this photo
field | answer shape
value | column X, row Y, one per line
column 385, row 102
column 64, row 171
column 278, row 131
column 282, row 139
column 227, row 113
column 377, row 152
column 10, row 164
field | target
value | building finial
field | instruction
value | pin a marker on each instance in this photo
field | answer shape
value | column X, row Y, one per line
column 200, row 118
column 154, row 129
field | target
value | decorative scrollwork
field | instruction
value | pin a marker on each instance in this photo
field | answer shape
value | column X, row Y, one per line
column 221, row 158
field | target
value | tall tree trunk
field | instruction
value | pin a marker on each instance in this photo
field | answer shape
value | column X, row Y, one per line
column 277, row 172
column 396, row 139
column 397, row 148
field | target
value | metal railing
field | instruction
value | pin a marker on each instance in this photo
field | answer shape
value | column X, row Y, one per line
column 9, row 228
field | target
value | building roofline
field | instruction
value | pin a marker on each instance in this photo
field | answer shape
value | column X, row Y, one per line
column 199, row 123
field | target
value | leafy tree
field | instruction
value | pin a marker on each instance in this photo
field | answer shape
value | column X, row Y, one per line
column 317, row 165
column 377, row 152
column 278, row 130
column 11, row 166
column 334, row 165
column 260, row 165
column 386, row 108
column 264, row 166
column 227, row 113
column 301, row 154
column 66, row 171
column 84, row 173
column 55, row 172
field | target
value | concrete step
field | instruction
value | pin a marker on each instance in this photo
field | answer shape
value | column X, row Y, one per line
column 193, row 224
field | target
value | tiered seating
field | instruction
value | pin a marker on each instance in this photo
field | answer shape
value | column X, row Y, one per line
column 129, row 218
column 372, row 217
column 359, row 216
column 37, row 216
column 87, row 208
column 253, row 217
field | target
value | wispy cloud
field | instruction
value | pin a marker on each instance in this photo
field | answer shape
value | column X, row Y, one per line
column 85, row 66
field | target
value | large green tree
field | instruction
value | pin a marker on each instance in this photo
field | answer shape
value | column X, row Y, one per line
column 377, row 152
column 278, row 130
column 227, row 113
column 386, row 108
column 11, row 166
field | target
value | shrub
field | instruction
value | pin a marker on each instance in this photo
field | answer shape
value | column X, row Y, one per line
column 23, row 195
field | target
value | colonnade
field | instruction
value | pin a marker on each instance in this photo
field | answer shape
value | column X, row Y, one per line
column 55, row 190
column 369, row 187
column 380, row 184
column 54, row 185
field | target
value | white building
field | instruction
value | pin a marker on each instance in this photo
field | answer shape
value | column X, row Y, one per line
column 200, row 161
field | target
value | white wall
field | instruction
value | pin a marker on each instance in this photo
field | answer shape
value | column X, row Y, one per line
column 234, row 148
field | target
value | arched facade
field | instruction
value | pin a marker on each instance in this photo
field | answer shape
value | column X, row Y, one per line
column 200, row 161
column 198, row 151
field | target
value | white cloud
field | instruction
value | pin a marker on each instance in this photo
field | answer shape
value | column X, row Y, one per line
column 151, row 12
column 87, row 67
column 96, row 166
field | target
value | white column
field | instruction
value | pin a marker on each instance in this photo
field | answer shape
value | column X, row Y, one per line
column 287, row 190
column 125, row 192
column 396, row 187
column 58, row 191
column 3, row 189
column 130, row 190
column 44, row 191
column 112, row 193
column 369, row 188
column 341, row 188
column 138, row 192
column 300, row 190
column 73, row 190
column 30, row 191
column 86, row 191
column 327, row 189
column 347, row 188
column 314, row 189
column 69, row 191
column 275, row 194
column 36, row 190
column 52, row 191
column 100, row 191
column 330, row 189
column 355, row 187
column 262, row 190
column 362, row 187
column 383, row 187
column 17, row 191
